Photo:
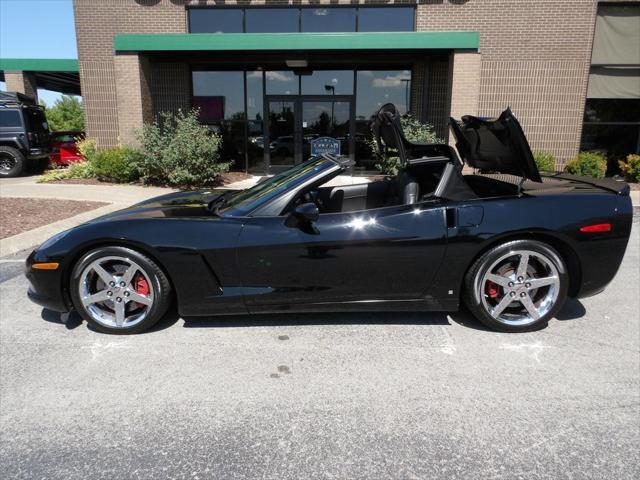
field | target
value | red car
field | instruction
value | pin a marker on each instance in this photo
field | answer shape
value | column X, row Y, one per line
column 64, row 149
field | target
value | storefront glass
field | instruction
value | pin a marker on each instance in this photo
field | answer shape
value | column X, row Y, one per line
column 334, row 104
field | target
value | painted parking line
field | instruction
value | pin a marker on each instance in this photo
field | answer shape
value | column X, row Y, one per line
column 19, row 260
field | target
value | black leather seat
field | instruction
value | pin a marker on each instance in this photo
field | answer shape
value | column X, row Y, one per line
column 405, row 189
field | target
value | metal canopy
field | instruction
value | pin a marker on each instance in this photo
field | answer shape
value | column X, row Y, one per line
column 56, row 74
column 242, row 42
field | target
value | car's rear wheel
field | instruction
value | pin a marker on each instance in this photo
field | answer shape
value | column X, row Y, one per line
column 119, row 290
column 12, row 162
column 518, row 286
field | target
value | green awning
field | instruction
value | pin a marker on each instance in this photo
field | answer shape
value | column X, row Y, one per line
column 39, row 65
column 296, row 41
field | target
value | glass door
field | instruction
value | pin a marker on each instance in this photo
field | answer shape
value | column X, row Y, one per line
column 301, row 126
column 326, row 127
column 282, row 134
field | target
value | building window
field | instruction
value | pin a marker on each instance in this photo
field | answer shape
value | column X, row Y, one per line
column 611, row 117
column 305, row 19
column 398, row 19
column 283, row 82
column 219, row 98
column 612, row 126
column 215, row 20
column 217, row 95
column 377, row 87
column 328, row 20
column 328, row 82
column 272, row 20
column 374, row 89
column 255, row 122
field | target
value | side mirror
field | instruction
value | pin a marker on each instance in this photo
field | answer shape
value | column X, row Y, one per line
column 304, row 214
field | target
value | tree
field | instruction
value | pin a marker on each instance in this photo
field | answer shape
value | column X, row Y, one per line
column 65, row 114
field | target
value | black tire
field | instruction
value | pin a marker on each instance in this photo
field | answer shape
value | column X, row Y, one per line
column 12, row 162
column 158, row 281
column 474, row 288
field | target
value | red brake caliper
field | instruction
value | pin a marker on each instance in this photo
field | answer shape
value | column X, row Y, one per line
column 141, row 286
column 492, row 289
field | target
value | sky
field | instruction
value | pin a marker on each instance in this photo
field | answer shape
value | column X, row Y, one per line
column 37, row 29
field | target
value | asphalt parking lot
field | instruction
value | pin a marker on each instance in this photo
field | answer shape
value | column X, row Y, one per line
column 323, row 396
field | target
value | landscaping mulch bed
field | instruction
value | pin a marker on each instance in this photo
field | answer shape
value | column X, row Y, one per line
column 19, row 215
column 224, row 179
column 83, row 181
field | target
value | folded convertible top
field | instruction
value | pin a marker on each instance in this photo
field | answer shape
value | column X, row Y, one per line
column 497, row 145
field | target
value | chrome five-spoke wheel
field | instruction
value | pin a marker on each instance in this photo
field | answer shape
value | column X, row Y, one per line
column 119, row 290
column 516, row 286
column 116, row 292
column 520, row 287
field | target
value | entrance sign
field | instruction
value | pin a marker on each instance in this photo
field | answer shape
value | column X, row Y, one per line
column 324, row 145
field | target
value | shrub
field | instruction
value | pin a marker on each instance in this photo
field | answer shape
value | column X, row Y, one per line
column 118, row 165
column 177, row 150
column 415, row 131
column 631, row 167
column 87, row 148
column 545, row 162
column 74, row 170
column 588, row 164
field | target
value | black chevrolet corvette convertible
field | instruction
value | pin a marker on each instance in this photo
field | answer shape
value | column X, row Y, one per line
column 508, row 242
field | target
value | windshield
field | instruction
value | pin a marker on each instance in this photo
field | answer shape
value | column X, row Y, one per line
column 243, row 202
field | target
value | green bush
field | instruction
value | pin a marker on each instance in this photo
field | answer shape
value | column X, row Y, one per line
column 415, row 131
column 74, row 170
column 119, row 165
column 631, row 167
column 545, row 162
column 177, row 150
column 588, row 164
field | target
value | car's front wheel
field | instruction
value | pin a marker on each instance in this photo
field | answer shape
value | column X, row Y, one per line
column 119, row 290
column 517, row 286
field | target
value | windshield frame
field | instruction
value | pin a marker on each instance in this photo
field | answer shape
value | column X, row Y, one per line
column 275, row 193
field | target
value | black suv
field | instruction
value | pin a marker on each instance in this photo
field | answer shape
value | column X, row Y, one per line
column 25, row 140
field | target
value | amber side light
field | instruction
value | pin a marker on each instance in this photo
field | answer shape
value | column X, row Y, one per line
column 45, row 266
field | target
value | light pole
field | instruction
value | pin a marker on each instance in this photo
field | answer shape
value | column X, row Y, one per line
column 406, row 91
column 332, row 89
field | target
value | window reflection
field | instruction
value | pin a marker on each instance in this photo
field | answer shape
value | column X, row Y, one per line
column 323, row 19
column 328, row 82
column 221, row 106
column 282, row 83
column 218, row 95
column 255, row 123
column 272, row 20
column 377, row 87
column 328, row 19
column 374, row 89
column 215, row 20
column 396, row 19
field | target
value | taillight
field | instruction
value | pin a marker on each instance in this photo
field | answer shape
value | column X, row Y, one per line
column 596, row 228
column 31, row 136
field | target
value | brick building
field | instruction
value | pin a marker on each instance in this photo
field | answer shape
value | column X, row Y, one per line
column 280, row 73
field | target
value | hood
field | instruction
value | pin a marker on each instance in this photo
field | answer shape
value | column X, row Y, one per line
column 496, row 145
column 172, row 205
